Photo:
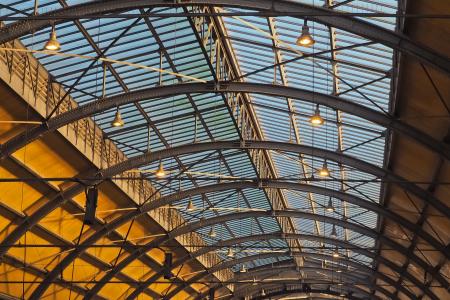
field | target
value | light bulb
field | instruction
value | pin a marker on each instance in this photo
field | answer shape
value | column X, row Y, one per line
column 117, row 122
column 305, row 39
column 52, row 44
column 324, row 172
column 160, row 173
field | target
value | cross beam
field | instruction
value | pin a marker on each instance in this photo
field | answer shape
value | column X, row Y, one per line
column 322, row 15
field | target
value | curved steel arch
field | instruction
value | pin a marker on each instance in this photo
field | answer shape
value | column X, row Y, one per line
column 236, row 216
column 267, row 270
column 241, row 185
column 343, row 244
column 295, row 291
column 246, row 185
column 321, row 15
column 334, row 102
column 298, row 291
column 148, row 157
column 231, row 263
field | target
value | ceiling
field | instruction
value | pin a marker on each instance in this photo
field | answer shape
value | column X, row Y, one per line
column 194, row 81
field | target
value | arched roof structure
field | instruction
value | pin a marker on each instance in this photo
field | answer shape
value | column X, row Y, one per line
column 218, row 96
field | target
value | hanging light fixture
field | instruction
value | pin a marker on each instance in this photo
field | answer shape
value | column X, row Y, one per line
column 230, row 252
column 324, row 171
column 160, row 173
column 336, row 252
column 305, row 39
column 316, row 119
column 243, row 269
column 117, row 122
column 329, row 207
column 52, row 44
column 333, row 231
column 263, row 293
column 212, row 233
column 190, row 205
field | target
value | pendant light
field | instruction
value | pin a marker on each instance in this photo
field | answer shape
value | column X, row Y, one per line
column 316, row 119
column 336, row 252
column 190, row 205
column 324, row 171
column 243, row 269
column 117, row 122
column 333, row 231
column 212, row 233
column 52, row 44
column 263, row 293
column 160, row 173
column 305, row 39
column 329, row 207
column 230, row 252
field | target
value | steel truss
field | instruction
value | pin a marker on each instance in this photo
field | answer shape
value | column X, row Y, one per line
column 224, row 87
column 327, row 16
column 231, row 263
column 375, row 33
column 144, row 159
column 231, row 242
column 225, row 218
column 166, row 200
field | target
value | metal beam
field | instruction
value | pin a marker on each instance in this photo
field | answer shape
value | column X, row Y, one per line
column 154, row 156
column 287, row 292
column 167, row 200
column 333, row 102
column 324, row 294
column 274, row 272
column 230, row 263
column 322, row 15
column 191, row 227
column 262, row 237
column 107, row 228
column 52, row 238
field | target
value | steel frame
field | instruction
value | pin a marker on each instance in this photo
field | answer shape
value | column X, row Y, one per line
column 41, row 231
column 225, row 87
column 286, row 292
column 222, row 219
column 148, row 157
column 231, row 263
column 443, row 151
column 327, row 16
column 267, row 271
column 244, row 239
column 239, row 186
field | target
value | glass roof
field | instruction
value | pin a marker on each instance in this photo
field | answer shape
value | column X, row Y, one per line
column 340, row 63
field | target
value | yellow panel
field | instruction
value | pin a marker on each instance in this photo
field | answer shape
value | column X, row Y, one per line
column 136, row 270
column 60, row 222
column 114, row 290
column 80, row 270
column 38, row 256
column 106, row 253
column 13, row 274
column 6, row 227
column 16, row 195
column 56, row 292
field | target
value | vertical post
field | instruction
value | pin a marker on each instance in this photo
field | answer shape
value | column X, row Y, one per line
column 160, row 67
column 195, row 128
column 104, row 81
column 36, row 6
